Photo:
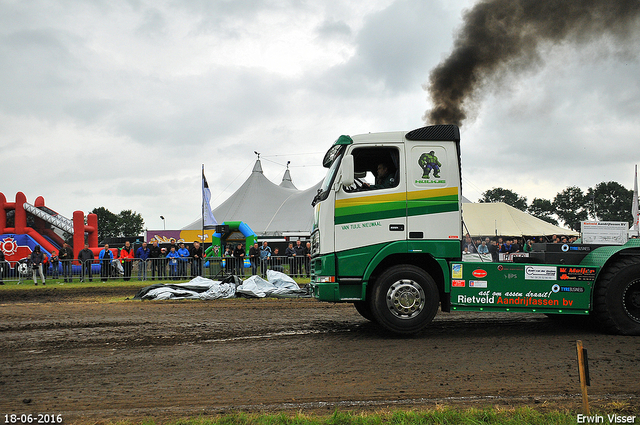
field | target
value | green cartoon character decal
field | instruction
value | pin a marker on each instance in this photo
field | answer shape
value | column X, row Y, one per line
column 429, row 162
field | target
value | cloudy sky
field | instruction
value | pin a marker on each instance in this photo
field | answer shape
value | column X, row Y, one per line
column 119, row 103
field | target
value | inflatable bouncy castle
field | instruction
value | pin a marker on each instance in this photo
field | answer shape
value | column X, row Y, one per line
column 24, row 225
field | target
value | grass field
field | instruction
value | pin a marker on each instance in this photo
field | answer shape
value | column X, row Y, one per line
column 443, row 415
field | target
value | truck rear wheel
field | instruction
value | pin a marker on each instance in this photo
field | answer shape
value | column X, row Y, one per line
column 404, row 299
column 617, row 297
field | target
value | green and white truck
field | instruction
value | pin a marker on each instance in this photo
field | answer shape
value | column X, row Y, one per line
column 394, row 249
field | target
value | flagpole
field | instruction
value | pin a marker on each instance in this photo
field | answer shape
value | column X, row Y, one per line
column 634, row 207
column 202, row 214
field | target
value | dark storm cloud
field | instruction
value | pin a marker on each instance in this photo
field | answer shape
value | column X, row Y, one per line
column 506, row 35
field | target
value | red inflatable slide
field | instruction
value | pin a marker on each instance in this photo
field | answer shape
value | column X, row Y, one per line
column 18, row 241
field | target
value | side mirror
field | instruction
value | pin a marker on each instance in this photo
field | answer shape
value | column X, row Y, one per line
column 347, row 171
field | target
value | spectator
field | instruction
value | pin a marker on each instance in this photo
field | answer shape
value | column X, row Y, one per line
column 468, row 245
column 239, row 254
column 196, row 253
column 54, row 261
column 290, row 253
column 66, row 257
column 105, row 256
column 265, row 256
column 126, row 258
column 563, row 239
column 483, row 248
column 157, row 264
column 142, row 254
column 174, row 259
column 254, row 257
column 36, row 260
column 276, row 261
column 528, row 247
column 506, row 247
column 494, row 251
column 515, row 246
column 85, row 257
column 299, row 257
column 229, row 261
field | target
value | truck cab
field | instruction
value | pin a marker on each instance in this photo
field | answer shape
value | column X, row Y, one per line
column 411, row 217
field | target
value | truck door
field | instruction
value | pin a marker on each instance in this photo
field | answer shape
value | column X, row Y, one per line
column 433, row 191
column 368, row 218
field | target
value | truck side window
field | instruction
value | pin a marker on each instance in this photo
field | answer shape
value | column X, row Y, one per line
column 382, row 163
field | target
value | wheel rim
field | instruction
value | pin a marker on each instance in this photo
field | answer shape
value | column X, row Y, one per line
column 405, row 299
column 631, row 300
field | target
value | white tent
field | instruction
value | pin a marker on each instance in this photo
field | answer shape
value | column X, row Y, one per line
column 500, row 219
column 269, row 209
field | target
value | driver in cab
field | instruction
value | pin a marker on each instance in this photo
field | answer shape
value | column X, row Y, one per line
column 384, row 179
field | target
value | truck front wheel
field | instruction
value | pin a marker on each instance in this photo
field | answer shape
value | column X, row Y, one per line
column 404, row 299
column 363, row 308
column 617, row 297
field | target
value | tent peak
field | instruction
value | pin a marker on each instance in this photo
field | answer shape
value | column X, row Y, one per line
column 257, row 168
column 286, row 180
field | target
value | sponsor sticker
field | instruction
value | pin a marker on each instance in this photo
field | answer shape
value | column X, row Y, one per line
column 540, row 273
column 456, row 271
column 557, row 288
column 457, row 283
column 477, row 284
column 479, row 273
column 577, row 273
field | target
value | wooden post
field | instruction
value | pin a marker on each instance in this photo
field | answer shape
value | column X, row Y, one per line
column 583, row 377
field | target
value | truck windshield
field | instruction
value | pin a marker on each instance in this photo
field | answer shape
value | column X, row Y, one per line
column 332, row 158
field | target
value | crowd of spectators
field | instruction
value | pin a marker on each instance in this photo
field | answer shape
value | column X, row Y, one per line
column 508, row 245
column 296, row 260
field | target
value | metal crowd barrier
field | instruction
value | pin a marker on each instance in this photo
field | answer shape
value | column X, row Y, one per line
column 162, row 269
column 292, row 266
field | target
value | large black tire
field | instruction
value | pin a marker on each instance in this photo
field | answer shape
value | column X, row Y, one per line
column 617, row 297
column 404, row 299
column 363, row 308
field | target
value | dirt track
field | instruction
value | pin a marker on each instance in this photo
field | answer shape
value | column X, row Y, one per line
column 131, row 359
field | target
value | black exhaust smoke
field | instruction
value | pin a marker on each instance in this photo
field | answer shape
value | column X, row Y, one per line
column 498, row 33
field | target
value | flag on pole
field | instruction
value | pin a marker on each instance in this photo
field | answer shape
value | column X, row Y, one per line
column 207, row 215
column 634, row 207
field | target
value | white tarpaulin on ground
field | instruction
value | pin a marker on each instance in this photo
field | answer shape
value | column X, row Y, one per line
column 201, row 288
column 279, row 285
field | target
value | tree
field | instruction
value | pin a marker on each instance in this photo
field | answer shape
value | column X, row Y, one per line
column 570, row 206
column 110, row 225
column 130, row 223
column 543, row 209
column 107, row 223
column 509, row 197
column 610, row 201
